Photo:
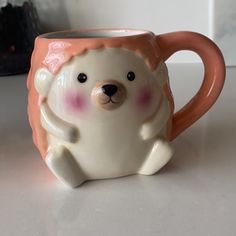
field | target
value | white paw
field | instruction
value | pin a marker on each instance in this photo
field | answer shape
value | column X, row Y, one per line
column 64, row 167
column 153, row 127
column 158, row 157
column 146, row 132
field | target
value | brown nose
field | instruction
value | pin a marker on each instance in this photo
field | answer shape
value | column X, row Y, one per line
column 109, row 89
column 108, row 94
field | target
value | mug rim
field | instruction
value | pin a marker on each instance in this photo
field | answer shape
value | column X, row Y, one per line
column 101, row 33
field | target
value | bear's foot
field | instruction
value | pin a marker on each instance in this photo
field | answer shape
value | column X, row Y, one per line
column 158, row 157
column 63, row 165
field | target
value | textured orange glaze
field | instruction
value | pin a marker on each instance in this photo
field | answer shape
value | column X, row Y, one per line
column 213, row 80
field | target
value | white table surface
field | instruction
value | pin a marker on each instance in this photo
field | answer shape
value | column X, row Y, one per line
column 195, row 194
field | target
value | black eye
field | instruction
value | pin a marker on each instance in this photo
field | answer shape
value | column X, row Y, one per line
column 131, row 76
column 82, row 77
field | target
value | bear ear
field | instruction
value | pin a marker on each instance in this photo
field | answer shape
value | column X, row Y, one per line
column 42, row 81
column 161, row 73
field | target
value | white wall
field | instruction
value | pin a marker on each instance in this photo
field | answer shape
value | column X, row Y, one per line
column 223, row 27
column 159, row 16
column 155, row 15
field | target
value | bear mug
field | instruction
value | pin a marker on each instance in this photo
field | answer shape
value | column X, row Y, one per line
column 100, row 104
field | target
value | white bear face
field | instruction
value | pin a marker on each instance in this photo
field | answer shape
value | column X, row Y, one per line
column 105, row 82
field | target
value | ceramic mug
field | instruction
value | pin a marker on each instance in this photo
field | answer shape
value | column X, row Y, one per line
column 100, row 104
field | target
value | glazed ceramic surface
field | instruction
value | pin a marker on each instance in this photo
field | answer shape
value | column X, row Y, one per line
column 100, row 105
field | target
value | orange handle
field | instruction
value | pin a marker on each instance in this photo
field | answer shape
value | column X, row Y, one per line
column 214, row 75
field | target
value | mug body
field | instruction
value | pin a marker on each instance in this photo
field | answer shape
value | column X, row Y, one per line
column 100, row 103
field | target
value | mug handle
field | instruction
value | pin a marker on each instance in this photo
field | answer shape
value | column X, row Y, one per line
column 214, row 75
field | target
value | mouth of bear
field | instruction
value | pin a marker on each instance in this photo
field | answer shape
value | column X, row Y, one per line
column 110, row 100
column 108, row 94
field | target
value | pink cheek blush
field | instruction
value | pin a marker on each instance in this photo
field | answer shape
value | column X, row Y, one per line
column 144, row 98
column 75, row 102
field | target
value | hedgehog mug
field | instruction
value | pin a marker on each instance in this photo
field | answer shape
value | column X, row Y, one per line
column 100, row 104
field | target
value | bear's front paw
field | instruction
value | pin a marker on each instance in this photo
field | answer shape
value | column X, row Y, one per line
column 144, row 132
column 147, row 132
